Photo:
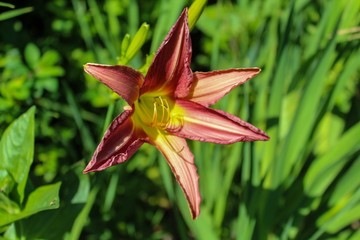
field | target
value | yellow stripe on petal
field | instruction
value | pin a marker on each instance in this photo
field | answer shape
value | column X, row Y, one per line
column 181, row 161
column 209, row 125
column 209, row 87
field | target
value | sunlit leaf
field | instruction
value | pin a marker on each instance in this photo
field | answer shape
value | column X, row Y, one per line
column 42, row 198
column 17, row 150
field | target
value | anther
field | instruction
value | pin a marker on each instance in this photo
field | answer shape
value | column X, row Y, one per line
column 164, row 112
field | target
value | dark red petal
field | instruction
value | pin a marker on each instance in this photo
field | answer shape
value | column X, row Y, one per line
column 209, row 125
column 120, row 142
column 170, row 70
column 209, row 87
column 123, row 80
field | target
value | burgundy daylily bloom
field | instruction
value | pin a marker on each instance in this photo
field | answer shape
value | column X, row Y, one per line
column 168, row 105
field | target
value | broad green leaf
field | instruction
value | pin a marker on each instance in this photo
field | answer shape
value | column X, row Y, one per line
column 50, row 71
column 6, row 182
column 32, row 55
column 42, row 198
column 49, row 58
column 75, row 201
column 7, row 206
column 17, row 150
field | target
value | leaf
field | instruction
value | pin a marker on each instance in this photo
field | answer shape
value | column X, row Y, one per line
column 69, row 218
column 348, row 183
column 42, row 198
column 32, row 55
column 6, row 182
column 2, row 4
column 50, row 71
column 324, row 169
column 14, row 13
column 17, row 150
column 49, row 58
column 7, row 206
column 202, row 227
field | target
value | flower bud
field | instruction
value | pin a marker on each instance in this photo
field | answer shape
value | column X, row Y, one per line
column 195, row 11
column 137, row 41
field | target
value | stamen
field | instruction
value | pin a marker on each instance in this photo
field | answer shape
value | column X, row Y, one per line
column 175, row 123
column 154, row 119
column 164, row 112
column 163, row 118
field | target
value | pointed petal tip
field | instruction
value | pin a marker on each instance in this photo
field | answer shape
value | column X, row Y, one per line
column 86, row 66
column 209, row 87
column 258, row 135
column 89, row 168
column 123, row 80
column 195, row 212
column 263, row 137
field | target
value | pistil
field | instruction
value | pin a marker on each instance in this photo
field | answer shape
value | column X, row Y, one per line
column 157, row 112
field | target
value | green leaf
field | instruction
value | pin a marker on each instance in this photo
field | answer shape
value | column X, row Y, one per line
column 2, row 4
column 348, row 183
column 7, row 206
column 202, row 227
column 42, row 198
column 83, row 216
column 14, row 13
column 50, row 71
column 75, row 195
column 6, row 182
column 17, row 150
column 32, row 55
column 323, row 170
column 49, row 58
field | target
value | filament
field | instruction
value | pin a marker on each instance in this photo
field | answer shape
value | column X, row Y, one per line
column 161, row 112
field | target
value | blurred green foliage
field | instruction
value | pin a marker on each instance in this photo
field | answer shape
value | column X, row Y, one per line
column 302, row 184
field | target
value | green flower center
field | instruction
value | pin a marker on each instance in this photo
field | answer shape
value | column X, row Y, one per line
column 158, row 112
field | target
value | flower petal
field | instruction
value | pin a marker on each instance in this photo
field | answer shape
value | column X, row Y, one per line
column 209, row 87
column 120, row 142
column 170, row 70
column 209, row 125
column 181, row 162
column 123, row 80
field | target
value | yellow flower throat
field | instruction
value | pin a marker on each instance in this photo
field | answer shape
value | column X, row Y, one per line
column 158, row 112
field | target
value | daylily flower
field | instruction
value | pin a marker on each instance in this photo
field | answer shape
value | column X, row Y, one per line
column 168, row 105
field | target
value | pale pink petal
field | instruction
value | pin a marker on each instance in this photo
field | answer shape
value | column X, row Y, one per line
column 181, row 162
column 123, row 80
column 170, row 70
column 120, row 142
column 209, row 125
column 209, row 87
